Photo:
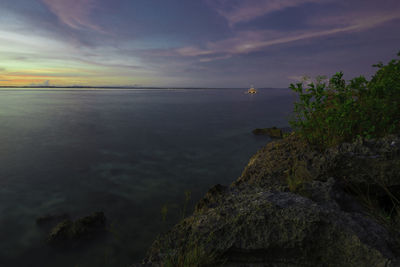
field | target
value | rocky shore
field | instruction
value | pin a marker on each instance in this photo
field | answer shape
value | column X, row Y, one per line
column 296, row 206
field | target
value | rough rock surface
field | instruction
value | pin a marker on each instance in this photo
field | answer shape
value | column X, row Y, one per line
column 362, row 163
column 268, row 218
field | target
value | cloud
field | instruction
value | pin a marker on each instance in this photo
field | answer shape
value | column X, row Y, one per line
column 193, row 51
column 244, row 11
column 74, row 13
column 245, row 42
column 113, row 65
column 208, row 59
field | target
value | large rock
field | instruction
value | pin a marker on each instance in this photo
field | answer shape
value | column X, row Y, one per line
column 369, row 165
column 256, row 227
column 372, row 164
column 273, row 164
column 295, row 206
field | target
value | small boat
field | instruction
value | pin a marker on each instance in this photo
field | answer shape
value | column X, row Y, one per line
column 252, row 90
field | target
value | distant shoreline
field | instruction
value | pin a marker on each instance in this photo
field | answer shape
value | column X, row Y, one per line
column 124, row 88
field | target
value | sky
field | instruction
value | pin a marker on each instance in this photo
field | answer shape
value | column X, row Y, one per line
column 192, row 43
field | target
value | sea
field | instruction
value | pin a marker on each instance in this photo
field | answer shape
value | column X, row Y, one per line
column 144, row 157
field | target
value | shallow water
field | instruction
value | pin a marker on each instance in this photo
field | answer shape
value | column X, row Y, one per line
column 125, row 152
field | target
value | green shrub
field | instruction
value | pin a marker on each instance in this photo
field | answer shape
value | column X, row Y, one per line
column 335, row 111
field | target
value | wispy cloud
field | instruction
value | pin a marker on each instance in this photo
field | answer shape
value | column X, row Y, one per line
column 112, row 65
column 208, row 59
column 193, row 51
column 243, row 11
column 74, row 13
column 250, row 41
column 48, row 74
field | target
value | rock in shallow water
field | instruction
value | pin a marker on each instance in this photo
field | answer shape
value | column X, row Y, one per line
column 83, row 228
column 271, row 132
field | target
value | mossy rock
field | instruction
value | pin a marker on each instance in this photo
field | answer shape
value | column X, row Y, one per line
column 372, row 164
column 258, row 221
column 254, row 227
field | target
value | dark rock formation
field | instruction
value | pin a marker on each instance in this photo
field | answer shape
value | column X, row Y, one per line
column 271, row 132
column 295, row 206
column 83, row 228
column 372, row 163
column 63, row 231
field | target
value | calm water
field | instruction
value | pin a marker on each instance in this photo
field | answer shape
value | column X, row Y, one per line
column 127, row 153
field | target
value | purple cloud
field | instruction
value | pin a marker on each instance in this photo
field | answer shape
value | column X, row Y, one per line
column 245, row 42
column 74, row 13
column 244, row 11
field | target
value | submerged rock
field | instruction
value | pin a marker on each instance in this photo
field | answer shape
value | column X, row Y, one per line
column 83, row 228
column 294, row 206
column 61, row 232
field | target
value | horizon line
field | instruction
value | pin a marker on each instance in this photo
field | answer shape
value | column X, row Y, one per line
column 129, row 87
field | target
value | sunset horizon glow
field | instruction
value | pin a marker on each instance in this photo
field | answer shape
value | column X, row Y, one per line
column 204, row 43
